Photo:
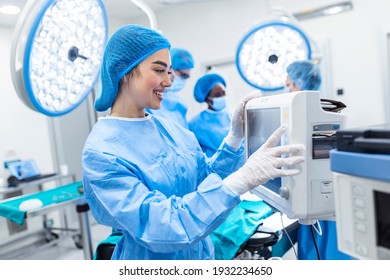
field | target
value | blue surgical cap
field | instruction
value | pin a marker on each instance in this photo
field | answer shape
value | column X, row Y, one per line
column 127, row 47
column 305, row 74
column 205, row 84
column 181, row 59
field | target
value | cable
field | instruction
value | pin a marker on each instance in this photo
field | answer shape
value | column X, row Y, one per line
column 288, row 236
column 315, row 242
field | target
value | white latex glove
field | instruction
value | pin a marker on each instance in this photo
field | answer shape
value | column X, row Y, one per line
column 236, row 132
column 265, row 164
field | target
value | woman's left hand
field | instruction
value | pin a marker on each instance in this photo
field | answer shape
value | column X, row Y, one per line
column 236, row 132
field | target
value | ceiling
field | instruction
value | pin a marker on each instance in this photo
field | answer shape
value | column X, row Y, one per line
column 123, row 9
column 126, row 9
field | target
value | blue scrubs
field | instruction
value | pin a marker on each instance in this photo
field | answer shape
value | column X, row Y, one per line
column 210, row 128
column 172, row 107
column 149, row 178
column 327, row 243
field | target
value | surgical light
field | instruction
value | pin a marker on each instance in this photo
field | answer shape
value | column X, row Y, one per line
column 56, row 53
column 265, row 52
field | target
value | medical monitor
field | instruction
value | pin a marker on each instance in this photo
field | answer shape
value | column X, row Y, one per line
column 23, row 169
column 307, row 196
column 259, row 132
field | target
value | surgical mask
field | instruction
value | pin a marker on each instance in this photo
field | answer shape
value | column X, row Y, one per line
column 219, row 103
column 177, row 84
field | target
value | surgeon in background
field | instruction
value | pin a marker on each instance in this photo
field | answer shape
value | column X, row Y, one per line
column 305, row 75
column 173, row 106
column 146, row 176
column 211, row 125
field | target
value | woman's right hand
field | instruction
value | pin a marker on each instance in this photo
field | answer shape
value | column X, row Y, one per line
column 266, row 164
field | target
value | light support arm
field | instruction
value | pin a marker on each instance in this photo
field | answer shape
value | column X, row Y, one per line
column 148, row 11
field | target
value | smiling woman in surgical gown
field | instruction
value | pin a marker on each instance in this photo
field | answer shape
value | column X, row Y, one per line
column 145, row 175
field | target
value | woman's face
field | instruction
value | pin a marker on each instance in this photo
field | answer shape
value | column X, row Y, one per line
column 217, row 91
column 291, row 85
column 148, row 84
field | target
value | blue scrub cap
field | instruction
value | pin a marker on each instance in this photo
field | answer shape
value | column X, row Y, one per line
column 181, row 59
column 205, row 84
column 127, row 47
column 305, row 74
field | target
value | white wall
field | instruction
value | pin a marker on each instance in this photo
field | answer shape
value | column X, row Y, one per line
column 357, row 58
column 21, row 128
column 212, row 31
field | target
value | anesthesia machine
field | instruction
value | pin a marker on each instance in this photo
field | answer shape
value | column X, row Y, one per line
column 361, row 168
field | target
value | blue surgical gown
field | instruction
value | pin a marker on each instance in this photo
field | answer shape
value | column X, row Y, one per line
column 149, row 178
column 173, row 107
column 210, row 128
column 327, row 243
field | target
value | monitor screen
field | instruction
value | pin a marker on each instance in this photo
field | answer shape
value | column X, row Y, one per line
column 23, row 169
column 261, row 123
column 382, row 210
